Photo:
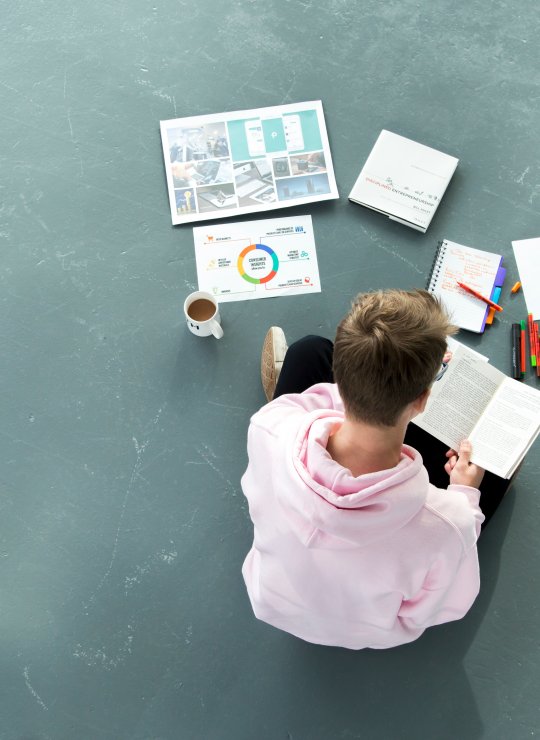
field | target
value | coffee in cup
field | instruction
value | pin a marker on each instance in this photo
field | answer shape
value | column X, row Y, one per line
column 202, row 315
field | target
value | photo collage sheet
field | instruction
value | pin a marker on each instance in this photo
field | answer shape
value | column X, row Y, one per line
column 255, row 160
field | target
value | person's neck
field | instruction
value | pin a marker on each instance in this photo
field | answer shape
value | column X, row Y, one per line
column 364, row 448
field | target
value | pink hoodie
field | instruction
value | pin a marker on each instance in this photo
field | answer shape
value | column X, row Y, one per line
column 356, row 562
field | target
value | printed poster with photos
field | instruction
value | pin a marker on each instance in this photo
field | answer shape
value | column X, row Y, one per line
column 228, row 164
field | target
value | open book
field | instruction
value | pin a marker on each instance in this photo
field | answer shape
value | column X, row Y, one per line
column 474, row 400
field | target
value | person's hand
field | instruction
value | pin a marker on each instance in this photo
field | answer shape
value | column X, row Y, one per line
column 460, row 468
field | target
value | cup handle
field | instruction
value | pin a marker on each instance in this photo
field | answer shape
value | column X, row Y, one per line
column 216, row 329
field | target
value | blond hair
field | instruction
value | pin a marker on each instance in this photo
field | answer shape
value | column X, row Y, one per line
column 387, row 352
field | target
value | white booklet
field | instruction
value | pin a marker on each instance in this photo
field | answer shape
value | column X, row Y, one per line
column 404, row 180
column 473, row 400
column 226, row 164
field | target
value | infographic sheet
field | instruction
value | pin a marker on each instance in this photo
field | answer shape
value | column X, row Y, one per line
column 246, row 161
column 257, row 259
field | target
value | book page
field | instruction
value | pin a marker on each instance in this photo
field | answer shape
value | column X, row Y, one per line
column 459, row 398
column 452, row 344
column 509, row 424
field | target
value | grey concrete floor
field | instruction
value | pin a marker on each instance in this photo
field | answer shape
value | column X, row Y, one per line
column 122, row 610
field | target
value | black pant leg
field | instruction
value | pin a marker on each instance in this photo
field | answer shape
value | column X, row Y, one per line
column 308, row 361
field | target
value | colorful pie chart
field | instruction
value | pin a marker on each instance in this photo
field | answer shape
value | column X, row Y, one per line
column 257, row 280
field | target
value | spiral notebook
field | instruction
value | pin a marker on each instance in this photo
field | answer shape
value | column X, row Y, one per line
column 480, row 270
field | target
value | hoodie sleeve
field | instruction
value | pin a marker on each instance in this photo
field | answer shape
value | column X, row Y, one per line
column 453, row 582
column 444, row 604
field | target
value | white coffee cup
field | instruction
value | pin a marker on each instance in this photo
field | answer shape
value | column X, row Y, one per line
column 202, row 314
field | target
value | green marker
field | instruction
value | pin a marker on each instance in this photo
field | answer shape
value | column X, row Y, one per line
column 532, row 343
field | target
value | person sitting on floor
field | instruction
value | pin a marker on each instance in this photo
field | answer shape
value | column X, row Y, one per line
column 353, row 545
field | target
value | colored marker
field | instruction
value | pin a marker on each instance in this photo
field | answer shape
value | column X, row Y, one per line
column 516, row 372
column 522, row 340
column 494, row 297
column 515, row 287
column 536, row 338
column 480, row 296
column 537, row 334
column 532, row 340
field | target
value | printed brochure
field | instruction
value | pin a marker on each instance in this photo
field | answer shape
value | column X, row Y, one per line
column 228, row 164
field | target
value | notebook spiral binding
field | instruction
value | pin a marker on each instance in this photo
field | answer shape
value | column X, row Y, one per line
column 436, row 267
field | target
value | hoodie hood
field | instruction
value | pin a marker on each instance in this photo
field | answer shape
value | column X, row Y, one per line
column 330, row 508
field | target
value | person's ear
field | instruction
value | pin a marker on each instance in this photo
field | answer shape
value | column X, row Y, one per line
column 419, row 404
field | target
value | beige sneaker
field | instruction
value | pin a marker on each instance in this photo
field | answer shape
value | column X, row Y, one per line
column 273, row 354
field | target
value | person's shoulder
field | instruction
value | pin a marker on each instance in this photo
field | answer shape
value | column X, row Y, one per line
column 282, row 410
column 319, row 396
